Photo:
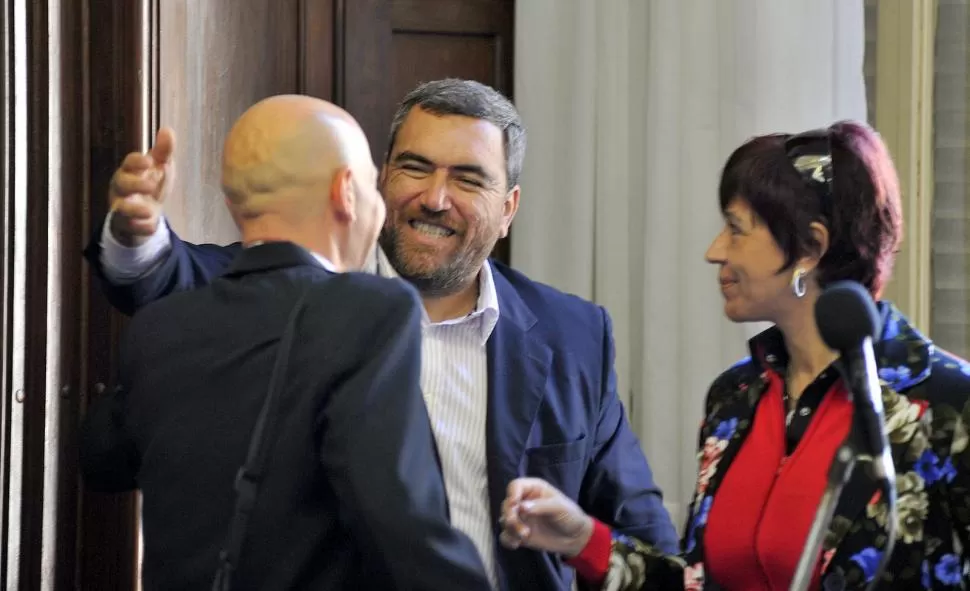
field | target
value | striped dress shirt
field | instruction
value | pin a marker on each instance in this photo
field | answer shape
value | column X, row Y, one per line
column 454, row 381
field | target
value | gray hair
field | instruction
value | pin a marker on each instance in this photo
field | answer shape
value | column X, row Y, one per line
column 453, row 96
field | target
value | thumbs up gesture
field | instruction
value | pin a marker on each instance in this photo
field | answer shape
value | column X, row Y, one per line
column 138, row 189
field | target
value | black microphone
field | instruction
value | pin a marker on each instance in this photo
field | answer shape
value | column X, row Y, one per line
column 849, row 322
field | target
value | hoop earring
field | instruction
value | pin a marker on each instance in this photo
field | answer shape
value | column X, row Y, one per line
column 798, row 283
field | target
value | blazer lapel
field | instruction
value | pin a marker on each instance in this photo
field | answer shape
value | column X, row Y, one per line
column 518, row 366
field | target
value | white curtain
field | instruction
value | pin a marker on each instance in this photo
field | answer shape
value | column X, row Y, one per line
column 632, row 107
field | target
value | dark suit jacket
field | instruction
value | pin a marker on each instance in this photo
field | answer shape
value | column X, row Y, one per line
column 553, row 410
column 353, row 497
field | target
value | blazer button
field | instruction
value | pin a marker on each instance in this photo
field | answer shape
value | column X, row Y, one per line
column 834, row 581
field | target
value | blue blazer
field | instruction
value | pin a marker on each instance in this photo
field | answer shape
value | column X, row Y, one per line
column 553, row 410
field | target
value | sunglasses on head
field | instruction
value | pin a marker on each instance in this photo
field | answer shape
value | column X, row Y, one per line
column 810, row 154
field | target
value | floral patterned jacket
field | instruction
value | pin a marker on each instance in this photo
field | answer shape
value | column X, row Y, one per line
column 926, row 397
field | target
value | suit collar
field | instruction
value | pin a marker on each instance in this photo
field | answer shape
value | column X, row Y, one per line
column 518, row 367
column 324, row 261
column 507, row 299
column 270, row 256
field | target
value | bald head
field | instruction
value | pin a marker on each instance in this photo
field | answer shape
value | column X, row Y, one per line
column 282, row 150
column 299, row 169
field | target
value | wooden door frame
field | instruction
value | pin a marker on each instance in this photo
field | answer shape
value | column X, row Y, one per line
column 122, row 113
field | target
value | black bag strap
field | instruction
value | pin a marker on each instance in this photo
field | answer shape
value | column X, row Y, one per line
column 250, row 474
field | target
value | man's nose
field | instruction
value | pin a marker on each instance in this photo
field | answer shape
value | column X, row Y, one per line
column 435, row 198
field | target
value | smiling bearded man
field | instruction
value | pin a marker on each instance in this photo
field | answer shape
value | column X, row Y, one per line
column 517, row 376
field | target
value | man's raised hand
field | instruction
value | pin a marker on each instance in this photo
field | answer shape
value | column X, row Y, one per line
column 139, row 187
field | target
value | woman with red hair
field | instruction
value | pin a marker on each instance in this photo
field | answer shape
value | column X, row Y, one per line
column 800, row 212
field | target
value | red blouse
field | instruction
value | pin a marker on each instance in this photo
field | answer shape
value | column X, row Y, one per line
column 765, row 505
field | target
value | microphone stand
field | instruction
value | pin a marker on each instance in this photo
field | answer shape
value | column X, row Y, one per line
column 868, row 424
column 839, row 472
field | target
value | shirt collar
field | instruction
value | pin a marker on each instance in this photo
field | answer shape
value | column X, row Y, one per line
column 324, row 262
column 486, row 310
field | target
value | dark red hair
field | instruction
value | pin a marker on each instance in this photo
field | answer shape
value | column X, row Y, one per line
column 864, row 218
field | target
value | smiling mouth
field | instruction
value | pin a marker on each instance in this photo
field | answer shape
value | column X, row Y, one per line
column 432, row 230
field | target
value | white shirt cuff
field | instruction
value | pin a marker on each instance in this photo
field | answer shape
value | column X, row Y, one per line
column 126, row 264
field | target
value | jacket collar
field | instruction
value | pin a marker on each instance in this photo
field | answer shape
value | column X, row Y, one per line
column 270, row 256
column 902, row 353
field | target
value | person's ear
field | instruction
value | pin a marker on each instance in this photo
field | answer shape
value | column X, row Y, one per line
column 343, row 196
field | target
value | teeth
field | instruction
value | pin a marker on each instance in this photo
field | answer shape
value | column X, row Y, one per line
column 431, row 229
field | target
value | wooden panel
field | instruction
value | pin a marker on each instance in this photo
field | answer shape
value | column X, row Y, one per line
column 363, row 62
column 46, row 200
column 35, row 373
column 464, row 17
column 419, row 57
column 386, row 47
column 218, row 58
column 14, row 297
column 46, row 74
column 317, row 43
column 116, row 101
column 67, row 195
column 8, row 287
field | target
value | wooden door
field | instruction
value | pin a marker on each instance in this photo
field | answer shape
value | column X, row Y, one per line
column 387, row 47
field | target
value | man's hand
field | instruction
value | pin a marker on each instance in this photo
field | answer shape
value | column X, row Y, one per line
column 536, row 515
column 138, row 189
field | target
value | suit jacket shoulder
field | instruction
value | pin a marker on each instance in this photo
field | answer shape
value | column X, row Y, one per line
column 949, row 381
column 323, row 288
column 374, row 301
column 555, row 310
column 347, row 307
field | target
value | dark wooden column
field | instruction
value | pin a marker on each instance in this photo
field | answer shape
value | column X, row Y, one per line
column 122, row 111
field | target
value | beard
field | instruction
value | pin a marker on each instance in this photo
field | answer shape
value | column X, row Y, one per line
column 421, row 269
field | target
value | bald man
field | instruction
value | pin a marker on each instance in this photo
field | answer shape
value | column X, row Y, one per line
column 318, row 366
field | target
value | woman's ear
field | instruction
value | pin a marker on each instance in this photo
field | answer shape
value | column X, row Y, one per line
column 820, row 245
